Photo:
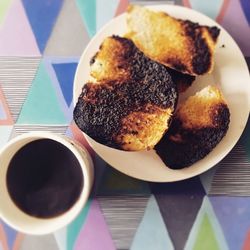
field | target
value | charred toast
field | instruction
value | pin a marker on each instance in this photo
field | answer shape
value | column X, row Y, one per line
column 179, row 44
column 130, row 101
column 197, row 127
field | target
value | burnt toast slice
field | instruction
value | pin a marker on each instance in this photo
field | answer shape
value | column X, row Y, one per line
column 179, row 44
column 197, row 127
column 130, row 101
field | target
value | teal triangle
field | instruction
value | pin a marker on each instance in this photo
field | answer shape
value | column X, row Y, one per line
column 116, row 183
column 87, row 9
column 102, row 17
column 152, row 232
column 210, row 8
column 42, row 105
column 76, row 225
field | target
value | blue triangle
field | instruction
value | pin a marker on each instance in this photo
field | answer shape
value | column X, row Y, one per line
column 233, row 213
column 42, row 16
column 65, row 73
column 152, row 232
column 42, row 105
column 246, row 9
column 11, row 235
column 87, row 10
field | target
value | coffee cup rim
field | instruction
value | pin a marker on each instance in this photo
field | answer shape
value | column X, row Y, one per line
column 26, row 223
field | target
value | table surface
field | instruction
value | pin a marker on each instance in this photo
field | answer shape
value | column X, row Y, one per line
column 40, row 45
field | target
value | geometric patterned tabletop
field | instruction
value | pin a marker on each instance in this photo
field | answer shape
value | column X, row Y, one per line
column 40, row 45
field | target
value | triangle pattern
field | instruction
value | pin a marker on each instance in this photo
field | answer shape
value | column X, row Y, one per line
column 69, row 132
column 246, row 9
column 5, row 116
column 207, row 178
column 75, row 226
column 87, row 10
column 123, row 214
column 79, row 136
column 239, row 30
column 16, row 36
column 152, row 232
column 41, row 242
column 4, row 6
column 5, row 133
column 42, row 16
column 206, row 232
column 178, row 202
column 233, row 213
column 60, row 237
column 246, row 245
column 210, row 8
column 11, row 235
column 102, row 17
column 65, row 73
column 116, row 183
column 69, row 36
column 16, row 79
column 3, row 239
column 42, row 105
column 122, row 7
column 95, row 233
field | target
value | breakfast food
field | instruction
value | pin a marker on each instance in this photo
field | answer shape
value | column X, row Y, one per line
column 179, row 44
column 130, row 100
column 182, row 81
column 197, row 127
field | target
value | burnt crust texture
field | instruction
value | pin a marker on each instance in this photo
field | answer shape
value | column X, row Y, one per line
column 181, row 147
column 146, row 87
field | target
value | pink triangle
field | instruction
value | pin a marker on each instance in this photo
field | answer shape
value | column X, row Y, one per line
column 78, row 135
column 3, row 238
column 8, row 119
column 16, row 36
column 122, row 7
column 94, row 234
column 246, row 245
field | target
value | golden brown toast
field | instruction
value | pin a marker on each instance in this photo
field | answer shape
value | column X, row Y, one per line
column 109, row 64
column 130, row 103
column 197, row 127
column 179, row 44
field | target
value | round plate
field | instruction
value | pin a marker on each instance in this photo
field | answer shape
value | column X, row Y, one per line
column 230, row 74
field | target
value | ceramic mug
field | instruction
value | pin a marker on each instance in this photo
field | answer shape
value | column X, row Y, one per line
column 23, row 222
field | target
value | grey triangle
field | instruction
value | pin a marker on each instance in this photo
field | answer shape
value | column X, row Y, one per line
column 16, row 76
column 47, row 242
column 69, row 36
column 21, row 129
column 233, row 174
column 123, row 215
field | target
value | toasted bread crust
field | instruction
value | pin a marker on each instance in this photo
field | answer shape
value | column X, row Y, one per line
column 126, row 108
column 179, row 44
column 187, row 141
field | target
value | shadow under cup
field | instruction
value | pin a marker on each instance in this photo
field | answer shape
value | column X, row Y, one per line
column 45, row 181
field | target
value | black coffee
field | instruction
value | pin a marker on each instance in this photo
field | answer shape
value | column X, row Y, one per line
column 44, row 178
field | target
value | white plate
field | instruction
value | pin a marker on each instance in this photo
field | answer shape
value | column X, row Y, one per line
column 230, row 75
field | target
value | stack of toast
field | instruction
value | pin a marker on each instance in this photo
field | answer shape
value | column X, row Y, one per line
column 130, row 103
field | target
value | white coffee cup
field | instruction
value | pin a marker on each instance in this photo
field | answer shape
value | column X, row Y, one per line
column 21, row 221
